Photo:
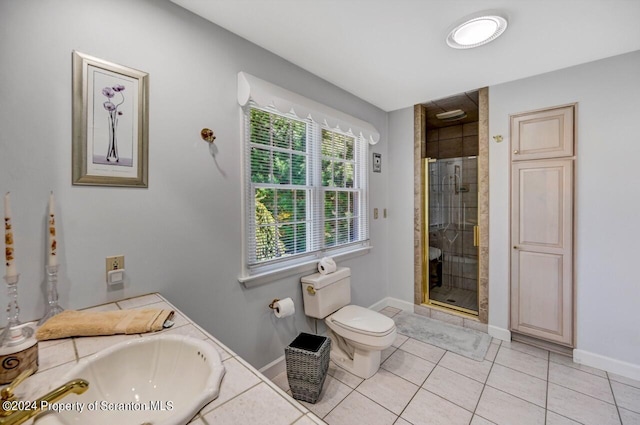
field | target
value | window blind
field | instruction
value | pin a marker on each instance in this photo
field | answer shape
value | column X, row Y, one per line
column 305, row 189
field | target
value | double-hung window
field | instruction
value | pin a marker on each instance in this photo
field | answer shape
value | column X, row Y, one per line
column 306, row 189
column 305, row 180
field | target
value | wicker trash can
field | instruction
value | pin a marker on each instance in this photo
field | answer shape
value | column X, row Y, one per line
column 307, row 359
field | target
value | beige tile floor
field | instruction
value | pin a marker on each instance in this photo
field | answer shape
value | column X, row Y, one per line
column 516, row 384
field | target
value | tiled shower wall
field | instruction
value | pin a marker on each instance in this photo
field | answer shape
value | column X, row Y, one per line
column 453, row 141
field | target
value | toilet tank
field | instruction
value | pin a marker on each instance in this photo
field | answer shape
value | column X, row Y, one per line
column 324, row 294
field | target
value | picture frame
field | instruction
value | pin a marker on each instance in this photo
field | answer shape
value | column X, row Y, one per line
column 110, row 131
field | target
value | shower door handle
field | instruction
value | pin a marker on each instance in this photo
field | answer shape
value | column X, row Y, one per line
column 476, row 235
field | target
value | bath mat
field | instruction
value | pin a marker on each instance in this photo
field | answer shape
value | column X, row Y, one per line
column 466, row 342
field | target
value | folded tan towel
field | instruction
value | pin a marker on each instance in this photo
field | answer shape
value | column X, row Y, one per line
column 94, row 323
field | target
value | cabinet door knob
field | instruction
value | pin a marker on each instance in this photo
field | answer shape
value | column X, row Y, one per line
column 515, row 151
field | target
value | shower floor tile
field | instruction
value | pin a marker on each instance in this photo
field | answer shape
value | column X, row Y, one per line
column 455, row 296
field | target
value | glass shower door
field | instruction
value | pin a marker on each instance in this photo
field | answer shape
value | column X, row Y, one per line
column 451, row 251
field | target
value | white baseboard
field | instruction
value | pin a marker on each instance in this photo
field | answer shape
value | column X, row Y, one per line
column 392, row 302
column 274, row 368
column 499, row 333
column 402, row 305
column 609, row 364
column 379, row 305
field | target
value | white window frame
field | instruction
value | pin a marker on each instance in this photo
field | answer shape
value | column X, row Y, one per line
column 364, row 134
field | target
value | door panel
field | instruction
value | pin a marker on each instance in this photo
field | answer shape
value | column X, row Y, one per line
column 541, row 192
column 542, row 252
column 540, row 295
column 452, row 242
column 543, row 134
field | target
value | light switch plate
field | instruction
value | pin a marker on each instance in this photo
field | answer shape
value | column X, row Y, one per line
column 375, row 213
column 377, row 162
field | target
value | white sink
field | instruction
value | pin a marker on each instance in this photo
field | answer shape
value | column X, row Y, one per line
column 153, row 380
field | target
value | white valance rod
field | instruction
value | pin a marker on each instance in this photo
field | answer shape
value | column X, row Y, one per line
column 267, row 94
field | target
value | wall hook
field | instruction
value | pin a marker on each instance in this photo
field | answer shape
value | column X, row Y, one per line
column 207, row 135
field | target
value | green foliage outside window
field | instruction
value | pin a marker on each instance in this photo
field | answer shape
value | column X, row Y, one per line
column 338, row 167
column 268, row 242
column 269, row 165
column 279, row 157
column 279, row 161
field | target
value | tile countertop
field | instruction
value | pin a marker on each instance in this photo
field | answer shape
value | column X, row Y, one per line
column 246, row 396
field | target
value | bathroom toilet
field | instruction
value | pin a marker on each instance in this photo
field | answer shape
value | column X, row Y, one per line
column 358, row 334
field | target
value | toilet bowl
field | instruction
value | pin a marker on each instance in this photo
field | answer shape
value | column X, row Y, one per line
column 358, row 334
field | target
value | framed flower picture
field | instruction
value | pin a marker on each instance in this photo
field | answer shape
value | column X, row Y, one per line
column 110, row 123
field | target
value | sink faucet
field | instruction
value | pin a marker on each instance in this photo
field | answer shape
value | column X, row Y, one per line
column 15, row 417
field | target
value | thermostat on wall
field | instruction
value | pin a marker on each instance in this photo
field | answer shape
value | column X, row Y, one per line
column 377, row 162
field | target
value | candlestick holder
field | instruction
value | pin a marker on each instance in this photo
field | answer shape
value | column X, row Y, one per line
column 14, row 333
column 52, row 294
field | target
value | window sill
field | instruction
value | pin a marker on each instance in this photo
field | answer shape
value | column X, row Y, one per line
column 273, row 275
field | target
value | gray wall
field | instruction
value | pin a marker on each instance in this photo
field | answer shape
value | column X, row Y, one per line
column 401, row 219
column 181, row 236
column 607, row 199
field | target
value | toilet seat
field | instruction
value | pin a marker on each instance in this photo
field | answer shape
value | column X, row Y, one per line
column 363, row 321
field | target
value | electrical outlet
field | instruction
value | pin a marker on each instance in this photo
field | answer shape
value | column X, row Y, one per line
column 115, row 263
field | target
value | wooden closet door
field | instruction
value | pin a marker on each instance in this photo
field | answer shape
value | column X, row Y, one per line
column 542, row 249
column 542, row 134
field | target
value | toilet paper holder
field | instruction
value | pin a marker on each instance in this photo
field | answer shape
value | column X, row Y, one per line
column 283, row 307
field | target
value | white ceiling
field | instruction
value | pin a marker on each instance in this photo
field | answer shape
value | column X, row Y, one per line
column 393, row 54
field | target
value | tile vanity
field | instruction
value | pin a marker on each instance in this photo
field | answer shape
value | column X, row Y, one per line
column 246, row 396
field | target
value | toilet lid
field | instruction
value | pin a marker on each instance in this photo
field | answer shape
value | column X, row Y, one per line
column 363, row 320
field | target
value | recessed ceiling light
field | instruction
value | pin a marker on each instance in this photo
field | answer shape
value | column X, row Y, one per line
column 476, row 32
